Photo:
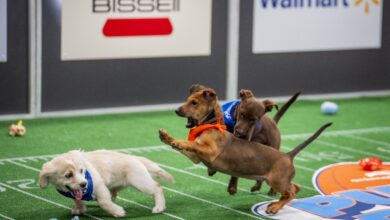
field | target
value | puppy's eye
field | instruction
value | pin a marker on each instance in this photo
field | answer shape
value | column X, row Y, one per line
column 242, row 115
column 69, row 175
column 194, row 103
column 81, row 170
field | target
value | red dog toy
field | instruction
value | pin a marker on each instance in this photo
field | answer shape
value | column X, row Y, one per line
column 371, row 163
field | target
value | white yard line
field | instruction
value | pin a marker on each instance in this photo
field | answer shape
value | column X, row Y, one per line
column 338, row 133
column 225, row 184
column 206, row 178
column 147, row 207
column 350, row 149
column 44, row 199
column 6, row 217
column 221, row 206
column 23, row 165
column 369, row 140
column 284, row 137
column 209, row 202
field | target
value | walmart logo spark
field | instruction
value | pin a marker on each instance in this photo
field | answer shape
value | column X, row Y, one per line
column 366, row 4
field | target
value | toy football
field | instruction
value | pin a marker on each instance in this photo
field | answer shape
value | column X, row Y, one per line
column 371, row 163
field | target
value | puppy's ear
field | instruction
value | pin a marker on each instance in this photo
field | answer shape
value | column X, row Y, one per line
column 47, row 170
column 196, row 88
column 269, row 104
column 245, row 94
column 209, row 94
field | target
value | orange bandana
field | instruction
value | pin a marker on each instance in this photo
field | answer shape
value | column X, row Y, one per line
column 195, row 132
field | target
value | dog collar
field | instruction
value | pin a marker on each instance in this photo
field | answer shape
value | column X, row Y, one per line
column 195, row 132
column 87, row 192
column 228, row 112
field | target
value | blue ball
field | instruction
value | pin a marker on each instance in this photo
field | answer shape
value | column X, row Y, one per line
column 329, row 108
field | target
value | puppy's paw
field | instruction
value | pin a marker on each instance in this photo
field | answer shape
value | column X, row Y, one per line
column 158, row 209
column 164, row 137
column 79, row 210
column 118, row 212
column 211, row 172
column 256, row 187
column 273, row 208
column 271, row 192
column 232, row 190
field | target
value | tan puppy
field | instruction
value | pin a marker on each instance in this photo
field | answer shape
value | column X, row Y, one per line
column 101, row 175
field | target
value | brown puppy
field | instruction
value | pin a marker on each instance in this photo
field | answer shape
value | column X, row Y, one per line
column 252, row 123
column 224, row 152
column 254, row 113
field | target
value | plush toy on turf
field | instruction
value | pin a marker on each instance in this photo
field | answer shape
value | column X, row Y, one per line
column 17, row 130
column 371, row 163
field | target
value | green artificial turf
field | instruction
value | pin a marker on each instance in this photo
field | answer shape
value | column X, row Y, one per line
column 194, row 195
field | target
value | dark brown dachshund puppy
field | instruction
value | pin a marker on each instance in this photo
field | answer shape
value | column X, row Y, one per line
column 252, row 123
column 223, row 152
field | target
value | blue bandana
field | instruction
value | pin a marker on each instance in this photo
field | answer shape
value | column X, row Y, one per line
column 87, row 192
column 228, row 112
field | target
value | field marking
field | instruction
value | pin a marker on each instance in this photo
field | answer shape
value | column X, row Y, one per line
column 205, row 178
column 351, row 149
column 218, row 205
column 301, row 155
column 210, row 202
column 225, row 184
column 159, row 147
column 338, row 133
column 369, row 140
column 44, row 199
column 147, row 207
column 51, row 156
column 23, row 165
column 6, row 217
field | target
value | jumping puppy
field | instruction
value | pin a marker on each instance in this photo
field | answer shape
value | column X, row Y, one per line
column 223, row 152
column 101, row 175
column 268, row 133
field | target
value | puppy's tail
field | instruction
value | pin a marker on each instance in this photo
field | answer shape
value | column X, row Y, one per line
column 285, row 107
column 155, row 171
column 300, row 147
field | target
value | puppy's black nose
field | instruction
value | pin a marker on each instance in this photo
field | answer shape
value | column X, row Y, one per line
column 237, row 133
column 83, row 184
column 179, row 112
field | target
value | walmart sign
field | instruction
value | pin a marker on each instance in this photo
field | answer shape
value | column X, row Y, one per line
column 303, row 3
column 316, row 25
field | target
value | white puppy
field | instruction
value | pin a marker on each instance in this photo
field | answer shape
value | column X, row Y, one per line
column 100, row 175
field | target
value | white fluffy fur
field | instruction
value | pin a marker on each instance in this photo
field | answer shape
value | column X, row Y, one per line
column 110, row 172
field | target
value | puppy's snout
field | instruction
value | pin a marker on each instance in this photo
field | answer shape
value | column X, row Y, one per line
column 179, row 111
column 83, row 184
column 238, row 133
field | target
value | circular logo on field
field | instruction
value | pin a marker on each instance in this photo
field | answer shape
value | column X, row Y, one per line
column 344, row 176
column 348, row 193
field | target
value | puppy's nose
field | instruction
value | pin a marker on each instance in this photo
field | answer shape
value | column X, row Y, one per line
column 237, row 133
column 179, row 112
column 83, row 184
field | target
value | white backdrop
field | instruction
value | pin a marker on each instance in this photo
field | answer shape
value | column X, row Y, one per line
column 286, row 26
column 82, row 34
